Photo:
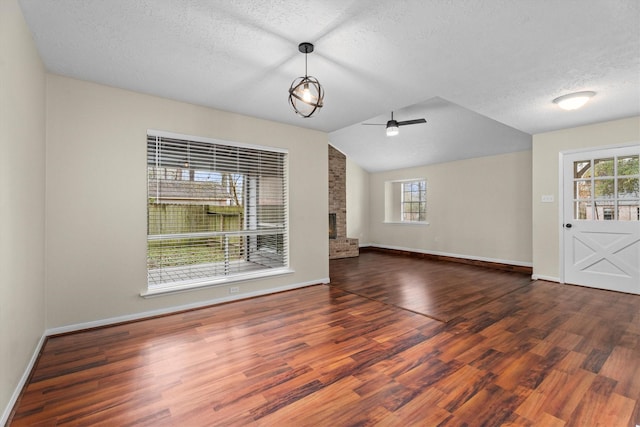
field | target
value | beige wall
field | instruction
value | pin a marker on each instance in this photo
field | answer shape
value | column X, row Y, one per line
column 22, row 147
column 546, row 151
column 96, row 198
column 357, row 203
column 477, row 208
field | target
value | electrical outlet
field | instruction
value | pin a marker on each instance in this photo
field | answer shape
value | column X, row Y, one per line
column 234, row 289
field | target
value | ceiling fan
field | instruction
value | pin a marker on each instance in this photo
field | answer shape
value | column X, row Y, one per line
column 393, row 125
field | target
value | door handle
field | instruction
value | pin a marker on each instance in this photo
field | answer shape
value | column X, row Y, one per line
column 568, row 225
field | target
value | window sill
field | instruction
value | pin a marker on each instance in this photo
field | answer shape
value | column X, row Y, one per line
column 407, row 222
column 172, row 288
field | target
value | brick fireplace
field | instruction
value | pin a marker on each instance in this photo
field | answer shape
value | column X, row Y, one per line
column 340, row 246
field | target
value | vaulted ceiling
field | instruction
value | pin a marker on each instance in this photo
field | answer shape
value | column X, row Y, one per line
column 483, row 73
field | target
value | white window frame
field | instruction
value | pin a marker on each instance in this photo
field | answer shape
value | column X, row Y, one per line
column 403, row 202
column 393, row 202
column 251, row 231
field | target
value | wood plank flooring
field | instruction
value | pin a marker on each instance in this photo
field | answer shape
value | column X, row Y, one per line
column 438, row 289
column 544, row 354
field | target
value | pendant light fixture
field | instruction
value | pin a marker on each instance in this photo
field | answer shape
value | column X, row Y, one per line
column 305, row 94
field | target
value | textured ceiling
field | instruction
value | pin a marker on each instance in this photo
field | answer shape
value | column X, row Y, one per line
column 451, row 133
column 501, row 59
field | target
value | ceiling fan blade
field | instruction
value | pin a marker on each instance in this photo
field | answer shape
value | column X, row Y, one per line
column 374, row 124
column 412, row 122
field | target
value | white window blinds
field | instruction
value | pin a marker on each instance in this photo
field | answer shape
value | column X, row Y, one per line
column 216, row 211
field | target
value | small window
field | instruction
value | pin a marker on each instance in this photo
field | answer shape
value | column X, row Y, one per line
column 414, row 201
column 406, row 201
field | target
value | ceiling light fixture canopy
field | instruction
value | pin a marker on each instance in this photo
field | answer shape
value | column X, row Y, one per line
column 306, row 95
column 573, row 101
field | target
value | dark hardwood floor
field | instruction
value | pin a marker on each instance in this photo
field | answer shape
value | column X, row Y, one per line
column 438, row 289
column 542, row 354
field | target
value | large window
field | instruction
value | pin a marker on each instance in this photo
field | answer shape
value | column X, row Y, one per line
column 217, row 212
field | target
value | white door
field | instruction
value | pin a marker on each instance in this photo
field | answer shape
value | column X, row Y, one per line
column 601, row 219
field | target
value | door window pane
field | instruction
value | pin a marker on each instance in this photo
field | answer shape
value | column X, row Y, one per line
column 582, row 190
column 628, row 188
column 603, row 167
column 582, row 210
column 628, row 165
column 581, row 169
column 605, row 210
column 604, row 189
column 629, row 210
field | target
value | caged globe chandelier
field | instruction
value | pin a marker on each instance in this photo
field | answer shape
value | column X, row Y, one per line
column 306, row 96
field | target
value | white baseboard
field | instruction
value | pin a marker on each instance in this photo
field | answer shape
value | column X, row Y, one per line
column 446, row 254
column 175, row 309
column 22, row 382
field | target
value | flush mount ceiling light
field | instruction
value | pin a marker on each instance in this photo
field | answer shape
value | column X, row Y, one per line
column 305, row 94
column 573, row 101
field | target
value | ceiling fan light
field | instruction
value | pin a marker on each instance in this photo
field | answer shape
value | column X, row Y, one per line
column 573, row 101
column 392, row 129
